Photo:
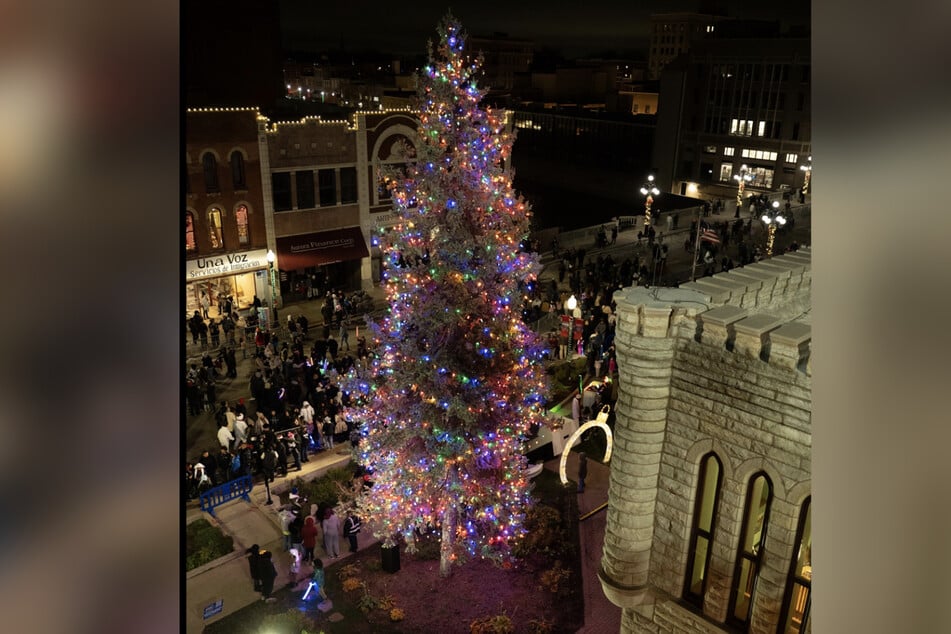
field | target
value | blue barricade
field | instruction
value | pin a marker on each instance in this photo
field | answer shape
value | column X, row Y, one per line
column 237, row 488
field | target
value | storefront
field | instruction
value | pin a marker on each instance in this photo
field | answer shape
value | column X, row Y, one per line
column 314, row 262
column 239, row 276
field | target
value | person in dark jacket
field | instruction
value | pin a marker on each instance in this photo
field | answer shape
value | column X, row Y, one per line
column 351, row 528
column 254, row 562
column 268, row 574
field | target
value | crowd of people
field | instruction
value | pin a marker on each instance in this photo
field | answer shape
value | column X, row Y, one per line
column 297, row 410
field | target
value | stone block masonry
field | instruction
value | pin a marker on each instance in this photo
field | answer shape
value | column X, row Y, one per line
column 722, row 365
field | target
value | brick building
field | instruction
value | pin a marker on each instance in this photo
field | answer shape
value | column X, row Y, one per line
column 708, row 525
column 224, row 223
column 323, row 192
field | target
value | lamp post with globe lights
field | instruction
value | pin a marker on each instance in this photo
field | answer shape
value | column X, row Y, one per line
column 270, row 257
column 742, row 178
column 772, row 217
column 807, row 168
column 650, row 190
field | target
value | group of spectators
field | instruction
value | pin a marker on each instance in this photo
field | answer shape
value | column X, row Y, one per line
column 298, row 408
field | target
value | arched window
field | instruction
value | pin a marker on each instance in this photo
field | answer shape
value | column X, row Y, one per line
column 210, row 167
column 190, row 244
column 214, row 229
column 237, row 170
column 701, row 534
column 241, row 219
column 749, row 558
column 799, row 586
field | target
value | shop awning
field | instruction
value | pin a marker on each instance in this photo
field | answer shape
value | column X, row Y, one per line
column 323, row 247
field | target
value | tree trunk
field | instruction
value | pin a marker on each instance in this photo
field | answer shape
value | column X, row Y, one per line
column 445, row 546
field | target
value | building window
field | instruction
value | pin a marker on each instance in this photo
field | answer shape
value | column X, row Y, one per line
column 796, row 600
column 281, row 190
column 214, row 229
column 210, row 167
column 190, row 244
column 795, row 131
column 237, row 170
column 762, row 176
column 761, row 130
column 792, row 158
column 701, row 535
column 327, row 181
column 348, row 185
column 726, row 172
column 729, row 151
column 749, row 559
column 241, row 219
column 709, row 149
column 647, row 108
column 741, row 127
column 305, row 189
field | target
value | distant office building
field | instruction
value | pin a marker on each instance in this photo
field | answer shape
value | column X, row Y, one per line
column 504, row 58
column 709, row 523
column 733, row 102
column 674, row 33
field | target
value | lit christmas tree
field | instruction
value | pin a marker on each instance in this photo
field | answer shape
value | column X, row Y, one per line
column 457, row 383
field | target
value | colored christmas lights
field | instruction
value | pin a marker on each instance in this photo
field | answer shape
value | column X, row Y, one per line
column 447, row 452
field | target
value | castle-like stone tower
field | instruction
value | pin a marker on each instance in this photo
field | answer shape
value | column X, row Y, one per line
column 714, row 372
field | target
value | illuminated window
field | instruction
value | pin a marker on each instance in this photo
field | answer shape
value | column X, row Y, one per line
column 795, row 611
column 726, row 172
column 741, row 127
column 214, row 229
column 701, row 535
column 761, row 130
column 709, row 149
column 190, row 244
column 792, row 158
column 237, row 170
column 729, row 151
column 241, row 219
column 210, row 167
column 749, row 559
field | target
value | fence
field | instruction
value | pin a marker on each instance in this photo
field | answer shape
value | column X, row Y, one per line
column 238, row 488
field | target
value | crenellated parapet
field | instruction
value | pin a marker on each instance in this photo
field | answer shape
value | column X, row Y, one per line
column 720, row 364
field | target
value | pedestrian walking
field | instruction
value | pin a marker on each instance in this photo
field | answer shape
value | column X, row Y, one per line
column 331, row 528
column 344, row 336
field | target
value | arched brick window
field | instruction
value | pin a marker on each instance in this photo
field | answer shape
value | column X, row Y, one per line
column 190, row 244
column 796, row 602
column 237, row 170
column 210, row 167
column 214, row 229
column 241, row 219
column 749, row 558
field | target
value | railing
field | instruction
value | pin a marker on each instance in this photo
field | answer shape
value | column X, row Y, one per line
column 238, row 488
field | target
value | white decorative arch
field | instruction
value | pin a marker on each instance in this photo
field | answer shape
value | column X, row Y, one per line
column 799, row 492
column 746, row 470
column 602, row 422
column 397, row 129
column 705, row 446
column 208, row 150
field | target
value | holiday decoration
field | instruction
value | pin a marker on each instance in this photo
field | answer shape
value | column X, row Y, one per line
column 457, row 381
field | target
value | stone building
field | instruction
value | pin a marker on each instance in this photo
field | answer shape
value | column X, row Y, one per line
column 708, row 525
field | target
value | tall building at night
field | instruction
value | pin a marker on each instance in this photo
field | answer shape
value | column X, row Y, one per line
column 708, row 525
column 733, row 102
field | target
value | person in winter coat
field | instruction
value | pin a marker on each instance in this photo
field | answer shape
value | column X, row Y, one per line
column 268, row 574
column 309, row 537
column 331, row 528
column 254, row 562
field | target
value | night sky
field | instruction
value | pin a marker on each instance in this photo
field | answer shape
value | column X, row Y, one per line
column 576, row 28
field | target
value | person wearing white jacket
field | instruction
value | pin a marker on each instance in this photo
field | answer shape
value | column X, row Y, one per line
column 225, row 437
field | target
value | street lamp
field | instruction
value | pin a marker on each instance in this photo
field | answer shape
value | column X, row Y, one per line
column 742, row 178
column 650, row 190
column 270, row 257
column 772, row 217
column 808, row 170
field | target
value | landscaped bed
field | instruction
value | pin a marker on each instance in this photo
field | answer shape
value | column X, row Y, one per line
column 204, row 542
column 541, row 593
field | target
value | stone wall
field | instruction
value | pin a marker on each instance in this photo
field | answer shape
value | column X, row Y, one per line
column 719, row 365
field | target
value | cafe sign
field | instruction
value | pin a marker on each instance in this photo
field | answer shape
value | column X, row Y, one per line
column 225, row 264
